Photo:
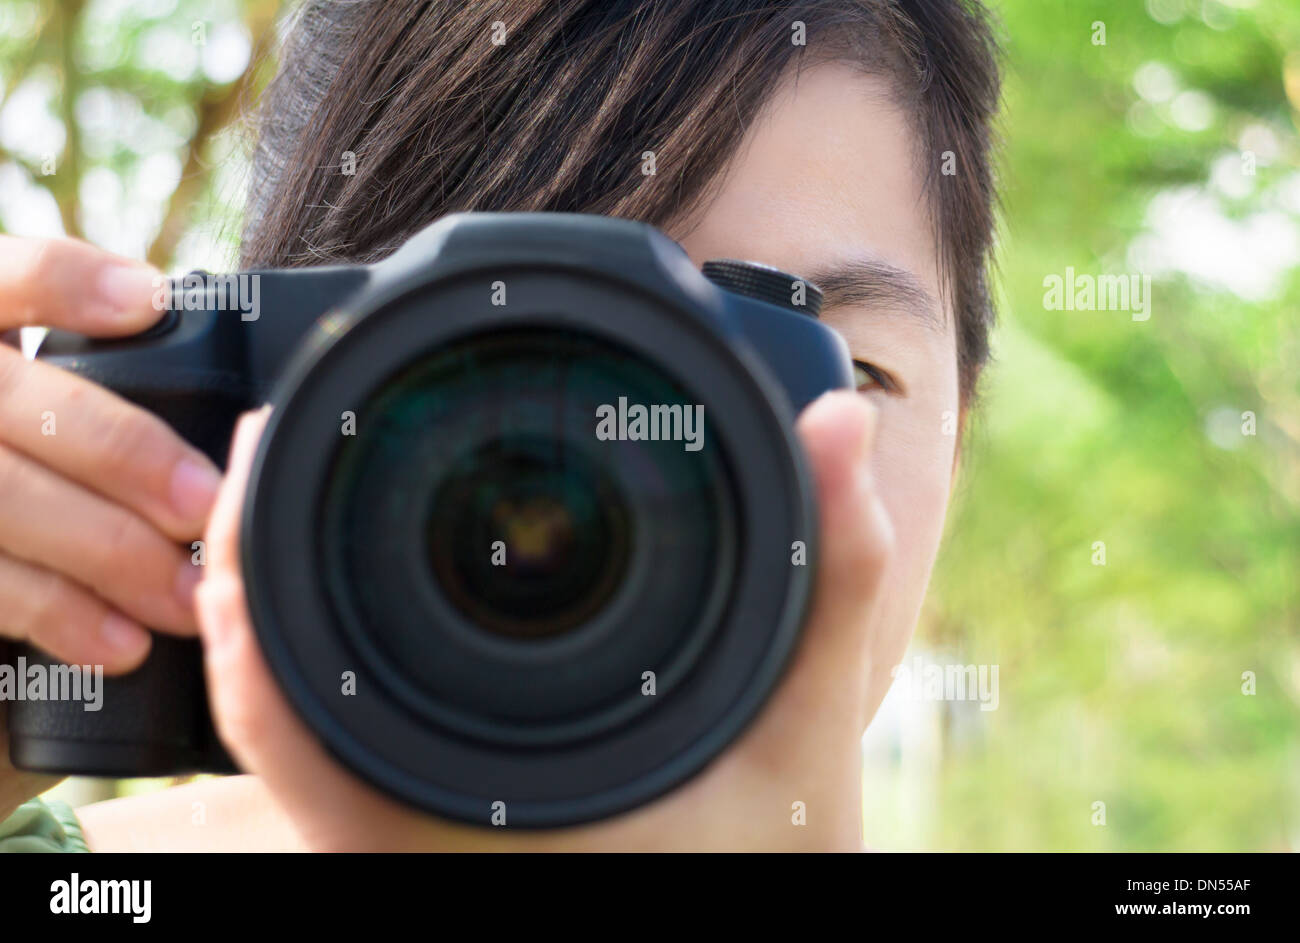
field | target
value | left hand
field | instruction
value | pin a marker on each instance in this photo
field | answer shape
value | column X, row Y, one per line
column 803, row 747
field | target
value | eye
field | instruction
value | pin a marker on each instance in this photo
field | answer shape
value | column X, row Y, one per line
column 867, row 377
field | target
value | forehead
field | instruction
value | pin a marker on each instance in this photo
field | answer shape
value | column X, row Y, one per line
column 830, row 172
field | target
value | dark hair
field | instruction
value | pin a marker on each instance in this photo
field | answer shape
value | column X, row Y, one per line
column 440, row 119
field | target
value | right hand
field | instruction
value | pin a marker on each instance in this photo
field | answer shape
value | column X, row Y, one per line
column 99, row 499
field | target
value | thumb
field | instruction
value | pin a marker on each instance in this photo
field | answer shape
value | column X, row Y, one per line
column 805, row 736
column 250, row 713
column 828, row 676
column 857, row 537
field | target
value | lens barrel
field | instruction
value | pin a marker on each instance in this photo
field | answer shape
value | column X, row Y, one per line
column 478, row 584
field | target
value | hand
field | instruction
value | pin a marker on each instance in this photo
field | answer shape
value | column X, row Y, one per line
column 95, row 494
column 803, row 748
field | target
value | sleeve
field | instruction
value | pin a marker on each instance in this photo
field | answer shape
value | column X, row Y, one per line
column 42, row 826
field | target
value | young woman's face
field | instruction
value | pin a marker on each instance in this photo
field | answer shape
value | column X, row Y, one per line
column 827, row 185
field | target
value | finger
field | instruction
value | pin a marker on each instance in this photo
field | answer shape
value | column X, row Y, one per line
column 252, row 717
column 223, row 526
column 815, row 716
column 101, row 441
column 51, row 522
column 63, row 620
column 73, row 285
column 856, row 542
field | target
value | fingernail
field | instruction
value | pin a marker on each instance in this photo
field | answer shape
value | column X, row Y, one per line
column 123, row 635
column 127, row 289
column 194, row 488
column 187, row 578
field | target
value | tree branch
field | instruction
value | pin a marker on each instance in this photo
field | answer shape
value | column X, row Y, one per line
column 216, row 110
column 65, row 185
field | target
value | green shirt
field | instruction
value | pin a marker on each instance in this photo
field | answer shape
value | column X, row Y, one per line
column 41, row 826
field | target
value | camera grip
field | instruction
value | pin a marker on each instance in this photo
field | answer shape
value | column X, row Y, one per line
column 155, row 720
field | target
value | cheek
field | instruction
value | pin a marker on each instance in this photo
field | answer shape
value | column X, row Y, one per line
column 913, row 473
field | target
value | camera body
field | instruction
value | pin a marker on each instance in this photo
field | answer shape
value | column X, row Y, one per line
column 469, row 592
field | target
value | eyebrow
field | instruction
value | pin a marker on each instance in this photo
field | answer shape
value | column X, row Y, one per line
column 875, row 283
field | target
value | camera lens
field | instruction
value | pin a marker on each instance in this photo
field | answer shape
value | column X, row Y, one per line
column 554, row 554
column 558, row 531
column 509, row 566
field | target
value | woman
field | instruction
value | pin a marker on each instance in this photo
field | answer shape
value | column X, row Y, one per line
column 847, row 140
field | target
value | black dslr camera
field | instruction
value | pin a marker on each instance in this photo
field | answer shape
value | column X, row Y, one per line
column 529, row 523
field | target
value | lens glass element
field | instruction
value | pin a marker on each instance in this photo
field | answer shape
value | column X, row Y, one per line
column 557, row 530
column 526, row 487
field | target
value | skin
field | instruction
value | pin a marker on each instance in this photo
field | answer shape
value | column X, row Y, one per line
column 827, row 176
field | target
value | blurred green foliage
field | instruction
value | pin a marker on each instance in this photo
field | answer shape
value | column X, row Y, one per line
column 1123, row 683
column 119, row 121
column 1172, row 150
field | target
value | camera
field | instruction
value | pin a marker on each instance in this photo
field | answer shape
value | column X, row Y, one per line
column 529, row 523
